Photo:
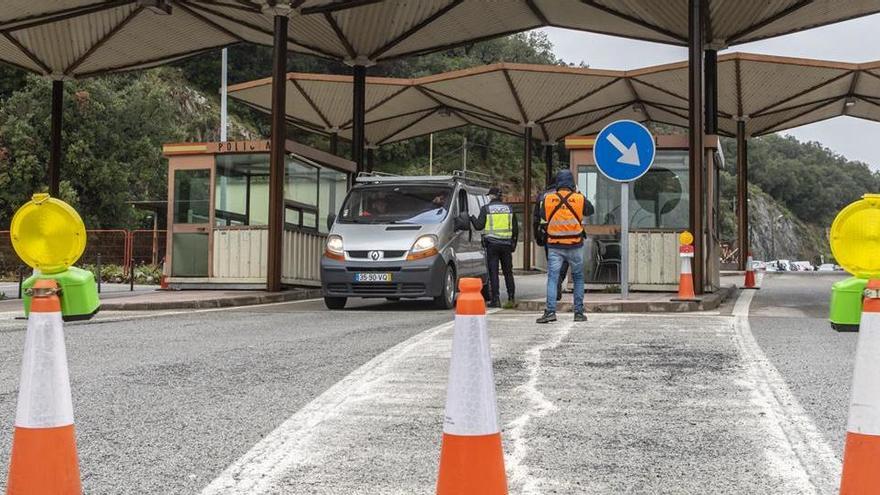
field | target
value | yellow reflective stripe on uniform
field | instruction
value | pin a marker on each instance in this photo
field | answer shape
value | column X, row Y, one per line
column 499, row 222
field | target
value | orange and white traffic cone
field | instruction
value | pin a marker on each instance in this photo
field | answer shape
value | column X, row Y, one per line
column 750, row 274
column 686, row 279
column 44, row 459
column 861, row 456
column 471, row 457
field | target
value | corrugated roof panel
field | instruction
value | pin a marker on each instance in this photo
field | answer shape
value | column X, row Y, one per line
column 433, row 122
column 26, row 9
column 616, row 93
column 740, row 15
column 59, row 44
column 795, row 117
column 727, row 101
column 836, row 89
column 649, row 93
column 813, row 14
column 567, row 88
column 137, row 43
column 865, row 110
column 668, row 15
column 468, row 21
column 869, row 83
column 767, row 83
column 486, row 92
column 405, row 99
column 387, row 20
column 577, row 15
column 558, row 129
column 14, row 56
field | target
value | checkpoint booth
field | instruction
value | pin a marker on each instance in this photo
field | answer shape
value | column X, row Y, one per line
column 659, row 210
column 218, row 211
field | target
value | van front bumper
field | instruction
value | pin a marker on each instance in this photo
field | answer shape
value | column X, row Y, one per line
column 409, row 279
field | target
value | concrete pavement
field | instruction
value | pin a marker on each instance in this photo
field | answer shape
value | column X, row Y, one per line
column 290, row 398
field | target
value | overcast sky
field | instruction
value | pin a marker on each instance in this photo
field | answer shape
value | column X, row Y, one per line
column 852, row 41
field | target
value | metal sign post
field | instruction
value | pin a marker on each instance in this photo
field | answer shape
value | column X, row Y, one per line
column 624, row 151
column 624, row 240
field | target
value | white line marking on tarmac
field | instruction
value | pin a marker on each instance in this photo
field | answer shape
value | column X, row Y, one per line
column 290, row 443
column 820, row 467
column 540, row 407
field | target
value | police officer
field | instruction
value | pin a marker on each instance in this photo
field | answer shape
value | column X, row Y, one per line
column 500, row 233
column 565, row 212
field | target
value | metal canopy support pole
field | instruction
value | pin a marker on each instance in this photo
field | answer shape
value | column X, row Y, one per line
column 358, row 117
column 742, row 192
column 223, row 93
column 527, row 192
column 624, row 240
column 276, row 156
column 711, row 91
column 54, row 172
column 370, row 157
column 696, row 21
column 548, row 160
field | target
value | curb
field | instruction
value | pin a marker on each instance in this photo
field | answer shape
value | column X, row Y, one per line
column 223, row 302
column 707, row 302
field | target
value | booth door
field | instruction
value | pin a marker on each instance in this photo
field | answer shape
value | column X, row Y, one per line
column 191, row 222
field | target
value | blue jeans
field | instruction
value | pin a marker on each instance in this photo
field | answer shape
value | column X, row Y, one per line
column 575, row 258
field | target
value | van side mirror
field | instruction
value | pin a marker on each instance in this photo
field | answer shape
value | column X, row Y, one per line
column 462, row 222
column 331, row 219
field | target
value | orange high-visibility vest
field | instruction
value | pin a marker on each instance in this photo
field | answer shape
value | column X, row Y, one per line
column 564, row 213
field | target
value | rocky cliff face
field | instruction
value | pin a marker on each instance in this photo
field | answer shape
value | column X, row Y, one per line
column 777, row 234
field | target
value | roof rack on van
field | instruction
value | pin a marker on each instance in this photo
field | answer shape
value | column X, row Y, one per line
column 468, row 177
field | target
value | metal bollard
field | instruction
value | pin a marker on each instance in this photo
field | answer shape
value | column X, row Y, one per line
column 20, row 280
column 99, row 273
column 131, row 278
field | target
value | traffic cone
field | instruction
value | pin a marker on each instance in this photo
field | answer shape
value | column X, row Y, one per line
column 44, row 459
column 686, row 279
column 750, row 274
column 861, row 456
column 471, row 457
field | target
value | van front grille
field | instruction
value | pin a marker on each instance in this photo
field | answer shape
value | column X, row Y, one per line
column 379, row 288
column 363, row 255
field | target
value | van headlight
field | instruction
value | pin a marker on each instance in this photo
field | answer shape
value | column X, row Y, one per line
column 334, row 247
column 424, row 247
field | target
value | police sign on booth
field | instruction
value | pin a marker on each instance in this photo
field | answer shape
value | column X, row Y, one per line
column 623, row 152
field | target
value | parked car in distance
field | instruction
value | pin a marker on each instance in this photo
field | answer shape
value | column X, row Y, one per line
column 802, row 266
column 828, row 267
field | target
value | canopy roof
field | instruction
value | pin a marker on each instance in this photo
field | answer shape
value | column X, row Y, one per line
column 79, row 38
column 770, row 93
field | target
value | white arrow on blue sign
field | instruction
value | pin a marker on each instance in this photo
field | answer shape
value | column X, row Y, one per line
column 624, row 150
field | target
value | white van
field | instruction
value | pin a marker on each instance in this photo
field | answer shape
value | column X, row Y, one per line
column 404, row 237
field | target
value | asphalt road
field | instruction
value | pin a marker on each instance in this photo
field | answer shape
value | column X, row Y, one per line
column 789, row 319
column 165, row 403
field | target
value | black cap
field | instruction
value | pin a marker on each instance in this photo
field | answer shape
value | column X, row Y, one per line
column 495, row 191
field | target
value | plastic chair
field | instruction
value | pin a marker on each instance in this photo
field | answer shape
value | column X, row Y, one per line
column 607, row 257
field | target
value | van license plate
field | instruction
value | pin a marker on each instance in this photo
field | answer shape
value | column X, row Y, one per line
column 372, row 277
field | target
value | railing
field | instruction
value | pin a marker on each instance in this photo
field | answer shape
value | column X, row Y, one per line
column 114, row 247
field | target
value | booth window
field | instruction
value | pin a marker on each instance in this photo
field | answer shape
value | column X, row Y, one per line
column 658, row 199
column 192, row 196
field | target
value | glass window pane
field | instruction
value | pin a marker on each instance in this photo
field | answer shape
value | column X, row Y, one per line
column 292, row 217
column 259, row 200
column 301, row 182
column 192, row 196
column 333, row 187
column 310, row 220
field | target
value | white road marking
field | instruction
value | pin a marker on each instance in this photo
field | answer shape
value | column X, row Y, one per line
column 539, row 407
column 819, row 468
column 291, row 443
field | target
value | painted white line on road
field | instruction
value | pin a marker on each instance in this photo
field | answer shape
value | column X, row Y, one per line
column 292, row 443
column 540, row 407
column 819, row 466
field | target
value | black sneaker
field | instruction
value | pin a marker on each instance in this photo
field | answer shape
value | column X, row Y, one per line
column 580, row 317
column 494, row 303
column 547, row 317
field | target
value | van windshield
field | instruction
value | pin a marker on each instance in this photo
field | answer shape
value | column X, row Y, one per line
column 396, row 204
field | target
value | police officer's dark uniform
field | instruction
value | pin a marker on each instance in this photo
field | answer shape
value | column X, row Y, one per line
column 500, row 234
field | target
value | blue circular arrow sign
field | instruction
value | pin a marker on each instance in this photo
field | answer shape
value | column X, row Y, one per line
column 624, row 150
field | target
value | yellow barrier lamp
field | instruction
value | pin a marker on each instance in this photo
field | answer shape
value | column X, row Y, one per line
column 49, row 236
column 855, row 244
